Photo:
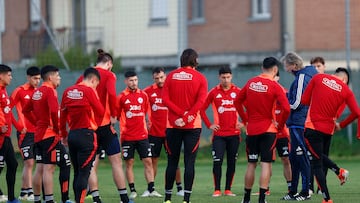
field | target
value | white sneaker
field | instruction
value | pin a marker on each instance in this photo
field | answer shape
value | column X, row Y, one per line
column 132, row 195
column 146, row 193
column 180, row 193
column 155, row 194
column 24, row 197
column 30, row 198
column 3, row 198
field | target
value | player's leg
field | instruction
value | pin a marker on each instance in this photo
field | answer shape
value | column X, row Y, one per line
column 173, row 148
column 50, row 155
column 218, row 150
column 37, row 177
column 180, row 191
column 232, row 147
column 128, row 151
column 9, row 156
column 252, row 153
column 283, row 149
column 191, row 145
column 64, row 174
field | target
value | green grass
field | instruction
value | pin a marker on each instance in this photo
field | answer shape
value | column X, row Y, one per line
column 203, row 184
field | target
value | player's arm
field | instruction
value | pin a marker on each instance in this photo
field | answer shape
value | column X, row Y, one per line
column 28, row 112
column 95, row 103
column 63, row 116
column 306, row 97
column 296, row 92
column 118, row 106
column 53, row 110
column 284, row 105
column 208, row 101
column 239, row 105
column 111, row 88
column 354, row 109
column 166, row 99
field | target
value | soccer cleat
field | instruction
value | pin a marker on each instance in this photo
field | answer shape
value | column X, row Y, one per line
column 289, row 196
column 217, row 193
column 146, row 193
column 3, row 198
column 180, row 193
column 155, row 194
column 167, row 201
column 132, row 195
column 258, row 193
column 14, row 201
column 311, row 192
column 343, row 176
column 229, row 193
column 329, row 201
column 302, row 196
column 23, row 197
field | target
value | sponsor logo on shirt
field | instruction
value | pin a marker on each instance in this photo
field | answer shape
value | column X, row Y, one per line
column 258, row 87
column 277, row 111
column 227, row 102
column 332, row 84
column 130, row 114
column 218, row 96
column 158, row 101
column 37, row 95
column 222, row 109
column 75, row 94
column 155, row 107
column 182, row 76
column 135, row 108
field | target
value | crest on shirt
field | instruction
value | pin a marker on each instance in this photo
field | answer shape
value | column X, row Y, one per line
column 27, row 97
column 37, row 95
column 127, row 101
column 233, row 95
column 332, row 84
column 218, row 96
column 154, row 94
column 140, row 100
column 258, row 87
column 182, row 76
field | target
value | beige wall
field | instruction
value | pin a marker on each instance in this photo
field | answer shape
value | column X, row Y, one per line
column 61, row 14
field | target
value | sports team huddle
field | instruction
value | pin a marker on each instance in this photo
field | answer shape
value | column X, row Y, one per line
column 297, row 122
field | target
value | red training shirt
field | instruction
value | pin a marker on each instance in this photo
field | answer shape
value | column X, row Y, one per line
column 325, row 95
column 79, row 105
column 284, row 133
column 157, row 112
column 184, row 94
column 259, row 96
column 132, row 107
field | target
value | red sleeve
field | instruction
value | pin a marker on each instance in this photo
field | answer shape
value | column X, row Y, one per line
column 28, row 113
column 284, row 105
column 63, row 117
column 340, row 110
column 200, row 100
column 54, row 111
column 348, row 120
column 166, row 99
column 306, row 97
column 95, row 103
column 208, row 101
column 354, row 109
column 239, row 105
column 358, row 129
column 14, row 98
column 111, row 88
column 16, row 124
column 118, row 106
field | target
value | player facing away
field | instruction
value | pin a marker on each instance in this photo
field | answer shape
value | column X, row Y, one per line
column 43, row 112
column 299, row 159
column 326, row 95
column 19, row 98
column 132, row 106
column 107, row 137
column 157, row 122
column 7, row 154
column 78, row 106
column 259, row 97
column 184, row 94
column 225, row 127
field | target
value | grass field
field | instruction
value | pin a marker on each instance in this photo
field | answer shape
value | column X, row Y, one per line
column 203, row 184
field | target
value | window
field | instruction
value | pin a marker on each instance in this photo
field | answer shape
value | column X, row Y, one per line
column 159, row 12
column 2, row 16
column 260, row 9
column 35, row 14
column 197, row 11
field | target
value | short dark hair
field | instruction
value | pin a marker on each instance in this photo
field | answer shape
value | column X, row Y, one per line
column 343, row 70
column 47, row 70
column 158, row 70
column 103, row 56
column 90, row 72
column 4, row 69
column 270, row 62
column 224, row 70
column 130, row 73
column 188, row 58
column 317, row 59
column 32, row 71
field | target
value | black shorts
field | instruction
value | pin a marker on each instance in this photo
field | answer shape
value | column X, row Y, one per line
column 283, row 147
column 230, row 144
column 51, row 151
column 82, row 147
column 315, row 143
column 156, row 144
column 262, row 145
column 141, row 146
column 107, row 140
column 26, row 145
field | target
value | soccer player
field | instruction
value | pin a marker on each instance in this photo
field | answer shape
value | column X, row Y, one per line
column 259, row 96
column 7, row 154
column 299, row 159
column 157, row 120
column 325, row 95
column 184, row 94
column 19, row 98
column 43, row 112
column 132, row 106
column 225, row 127
column 107, row 137
column 78, row 106
column 319, row 63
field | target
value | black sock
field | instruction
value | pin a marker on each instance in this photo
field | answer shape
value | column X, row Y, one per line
column 23, row 192
column 96, row 196
column 247, row 194
column 262, row 194
column 187, row 196
column 151, row 187
column 178, row 186
column 123, row 195
column 132, row 187
column 168, row 195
